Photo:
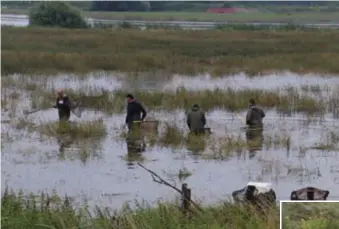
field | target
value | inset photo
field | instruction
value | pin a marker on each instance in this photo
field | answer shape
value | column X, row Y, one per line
column 309, row 214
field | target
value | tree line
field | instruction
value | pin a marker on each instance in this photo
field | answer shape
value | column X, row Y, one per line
column 187, row 6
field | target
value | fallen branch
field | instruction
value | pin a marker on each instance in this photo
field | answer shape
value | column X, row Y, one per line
column 158, row 179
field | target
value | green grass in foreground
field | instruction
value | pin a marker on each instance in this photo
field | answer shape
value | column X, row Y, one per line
column 310, row 215
column 47, row 50
column 19, row 213
column 302, row 17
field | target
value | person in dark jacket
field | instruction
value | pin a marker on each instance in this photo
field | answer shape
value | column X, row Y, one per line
column 196, row 120
column 63, row 105
column 135, row 112
column 254, row 115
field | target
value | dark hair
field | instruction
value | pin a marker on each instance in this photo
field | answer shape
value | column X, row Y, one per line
column 252, row 101
column 196, row 106
column 130, row 96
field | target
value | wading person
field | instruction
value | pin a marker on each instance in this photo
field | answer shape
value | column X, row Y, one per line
column 254, row 115
column 63, row 106
column 136, row 113
column 196, row 120
column 254, row 134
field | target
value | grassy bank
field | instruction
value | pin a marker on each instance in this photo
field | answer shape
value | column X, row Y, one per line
column 18, row 212
column 297, row 17
column 310, row 215
column 41, row 50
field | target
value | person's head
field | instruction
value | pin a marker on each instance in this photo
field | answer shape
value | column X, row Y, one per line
column 59, row 93
column 195, row 107
column 129, row 97
column 251, row 102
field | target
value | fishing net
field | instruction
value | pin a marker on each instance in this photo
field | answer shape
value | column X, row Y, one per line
column 77, row 108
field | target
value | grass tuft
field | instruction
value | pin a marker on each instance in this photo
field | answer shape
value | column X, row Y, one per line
column 76, row 130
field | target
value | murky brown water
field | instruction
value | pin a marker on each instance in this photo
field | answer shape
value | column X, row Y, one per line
column 37, row 163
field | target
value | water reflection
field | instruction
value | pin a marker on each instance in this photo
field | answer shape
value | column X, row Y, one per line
column 136, row 145
column 255, row 141
column 64, row 143
column 196, row 143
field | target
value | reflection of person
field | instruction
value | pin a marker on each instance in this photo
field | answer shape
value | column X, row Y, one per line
column 64, row 143
column 135, row 143
column 255, row 140
column 135, row 147
column 196, row 143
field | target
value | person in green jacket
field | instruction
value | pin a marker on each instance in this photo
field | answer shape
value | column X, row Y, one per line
column 255, row 115
column 196, row 120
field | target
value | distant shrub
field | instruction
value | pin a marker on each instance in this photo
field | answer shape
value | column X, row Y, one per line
column 56, row 14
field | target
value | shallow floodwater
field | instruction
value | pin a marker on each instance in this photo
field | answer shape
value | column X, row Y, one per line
column 35, row 163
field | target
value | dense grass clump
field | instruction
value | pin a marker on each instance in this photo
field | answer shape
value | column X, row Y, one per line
column 186, row 52
column 76, row 130
column 51, row 212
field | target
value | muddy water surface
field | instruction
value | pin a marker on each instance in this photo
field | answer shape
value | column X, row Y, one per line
column 97, row 170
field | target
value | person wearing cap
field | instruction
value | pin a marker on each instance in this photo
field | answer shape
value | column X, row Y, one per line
column 196, row 120
column 255, row 115
column 135, row 112
column 63, row 105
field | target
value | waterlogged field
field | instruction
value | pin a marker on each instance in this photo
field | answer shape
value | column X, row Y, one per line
column 95, row 162
column 310, row 215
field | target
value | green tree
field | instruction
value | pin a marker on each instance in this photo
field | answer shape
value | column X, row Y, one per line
column 56, row 14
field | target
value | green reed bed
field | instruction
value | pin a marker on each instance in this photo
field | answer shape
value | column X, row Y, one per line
column 51, row 50
column 19, row 212
column 228, row 99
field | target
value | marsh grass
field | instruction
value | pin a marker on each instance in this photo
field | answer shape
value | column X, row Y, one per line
column 172, row 136
column 330, row 143
column 45, row 212
column 310, row 215
column 229, row 99
column 186, row 52
column 76, row 130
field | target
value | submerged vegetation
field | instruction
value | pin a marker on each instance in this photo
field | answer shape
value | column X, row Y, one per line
column 18, row 211
column 188, row 52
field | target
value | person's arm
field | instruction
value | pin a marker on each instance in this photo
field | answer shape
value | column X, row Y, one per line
column 143, row 111
column 67, row 102
column 128, row 113
column 248, row 117
column 188, row 120
column 56, row 104
column 203, row 118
